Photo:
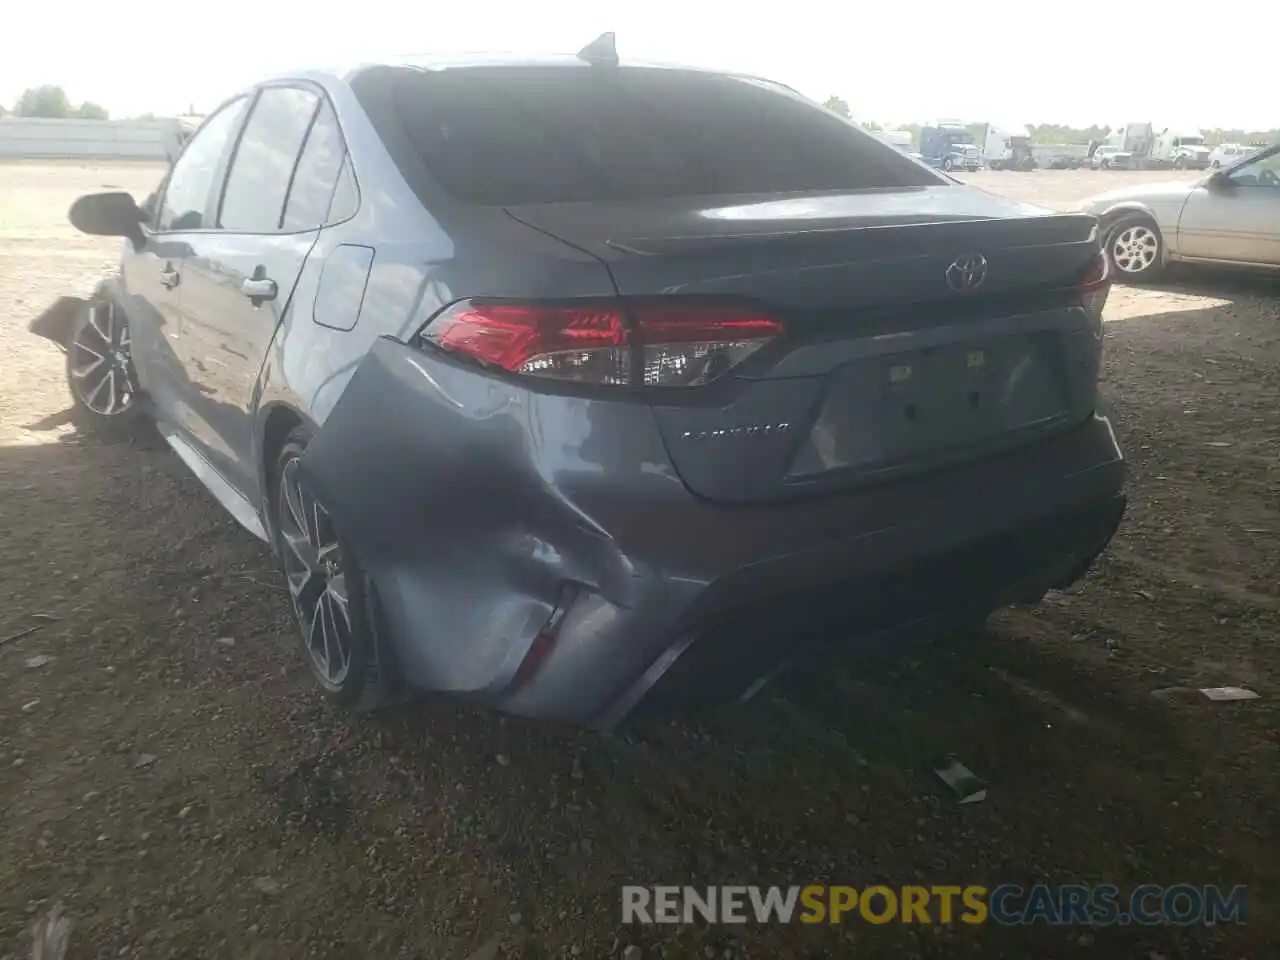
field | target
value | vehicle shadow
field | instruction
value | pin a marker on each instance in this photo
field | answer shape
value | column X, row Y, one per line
column 84, row 513
column 52, row 421
column 1200, row 281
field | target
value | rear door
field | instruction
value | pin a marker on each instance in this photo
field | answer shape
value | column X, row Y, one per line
column 1239, row 220
column 239, row 278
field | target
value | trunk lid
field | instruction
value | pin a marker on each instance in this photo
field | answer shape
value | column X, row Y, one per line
column 923, row 325
column 810, row 252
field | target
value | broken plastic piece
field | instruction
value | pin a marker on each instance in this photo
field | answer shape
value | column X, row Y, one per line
column 1229, row 693
column 964, row 783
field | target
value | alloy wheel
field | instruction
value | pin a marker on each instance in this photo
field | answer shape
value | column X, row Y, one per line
column 100, row 363
column 317, row 578
column 1135, row 248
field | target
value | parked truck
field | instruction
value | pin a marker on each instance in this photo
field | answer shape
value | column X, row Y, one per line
column 1007, row 148
column 1135, row 139
column 1181, row 149
column 1171, row 147
column 949, row 144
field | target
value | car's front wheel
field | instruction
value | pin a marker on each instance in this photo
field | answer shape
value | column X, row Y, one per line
column 100, row 368
column 333, row 601
column 1135, row 248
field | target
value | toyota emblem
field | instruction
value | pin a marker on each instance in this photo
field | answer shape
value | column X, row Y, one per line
column 967, row 273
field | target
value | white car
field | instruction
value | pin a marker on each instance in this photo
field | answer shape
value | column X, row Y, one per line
column 1225, row 154
column 1231, row 217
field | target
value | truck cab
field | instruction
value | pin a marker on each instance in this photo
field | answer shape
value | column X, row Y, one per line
column 1136, row 139
column 950, row 145
column 1007, row 148
column 1181, row 149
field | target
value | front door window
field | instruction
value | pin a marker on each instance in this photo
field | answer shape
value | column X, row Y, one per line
column 1262, row 171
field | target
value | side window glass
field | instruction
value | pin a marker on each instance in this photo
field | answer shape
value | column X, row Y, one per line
column 346, row 198
column 191, row 182
column 253, row 201
column 317, row 174
column 1262, row 172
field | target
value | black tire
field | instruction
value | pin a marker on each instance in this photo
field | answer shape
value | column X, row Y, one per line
column 108, row 403
column 1216, row 164
column 366, row 683
column 1135, row 248
column 947, row 164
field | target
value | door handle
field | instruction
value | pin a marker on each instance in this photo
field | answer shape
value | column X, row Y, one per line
column 259, row 288
column 169, row 277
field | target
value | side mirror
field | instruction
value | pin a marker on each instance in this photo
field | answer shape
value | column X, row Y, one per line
column 112, row 214
column 1218, row 181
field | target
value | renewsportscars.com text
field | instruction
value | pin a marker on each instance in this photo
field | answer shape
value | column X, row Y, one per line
column 1006, row 905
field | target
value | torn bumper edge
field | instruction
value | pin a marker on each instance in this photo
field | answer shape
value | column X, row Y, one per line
column 54, row 323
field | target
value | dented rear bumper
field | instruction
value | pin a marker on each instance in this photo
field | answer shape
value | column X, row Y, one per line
column 539, row 553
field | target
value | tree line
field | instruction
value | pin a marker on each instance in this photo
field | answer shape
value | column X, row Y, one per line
column 1062, row 133
column 52, row 101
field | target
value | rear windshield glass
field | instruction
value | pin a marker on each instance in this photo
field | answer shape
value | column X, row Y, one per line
column 504, row 136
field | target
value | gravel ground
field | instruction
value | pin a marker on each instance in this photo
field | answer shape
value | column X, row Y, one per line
column 167, row 773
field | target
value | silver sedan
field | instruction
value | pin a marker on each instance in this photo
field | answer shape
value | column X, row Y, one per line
column 1231, row 217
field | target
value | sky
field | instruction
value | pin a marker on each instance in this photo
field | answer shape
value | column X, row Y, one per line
column 1001, row 61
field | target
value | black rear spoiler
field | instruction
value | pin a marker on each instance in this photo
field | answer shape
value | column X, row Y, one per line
column 881, row 238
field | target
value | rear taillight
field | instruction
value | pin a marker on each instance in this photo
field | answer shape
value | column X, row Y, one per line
column 654, row 344
column 1095, row 284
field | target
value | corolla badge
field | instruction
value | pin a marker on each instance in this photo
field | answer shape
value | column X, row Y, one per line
column 735, row 433
column 967, row 273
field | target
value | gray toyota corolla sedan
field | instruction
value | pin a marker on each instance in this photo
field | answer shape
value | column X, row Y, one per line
column 571, row 386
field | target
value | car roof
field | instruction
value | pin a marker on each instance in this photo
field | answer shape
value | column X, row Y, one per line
column 429, row 62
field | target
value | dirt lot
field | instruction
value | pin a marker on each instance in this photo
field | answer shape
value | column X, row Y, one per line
column 170, row 776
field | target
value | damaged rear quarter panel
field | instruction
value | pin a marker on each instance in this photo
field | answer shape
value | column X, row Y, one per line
column 435, row 472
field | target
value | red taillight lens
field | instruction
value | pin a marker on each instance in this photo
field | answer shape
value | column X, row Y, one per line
column 588, row 344
column 1095, row 284
column 650, row 344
